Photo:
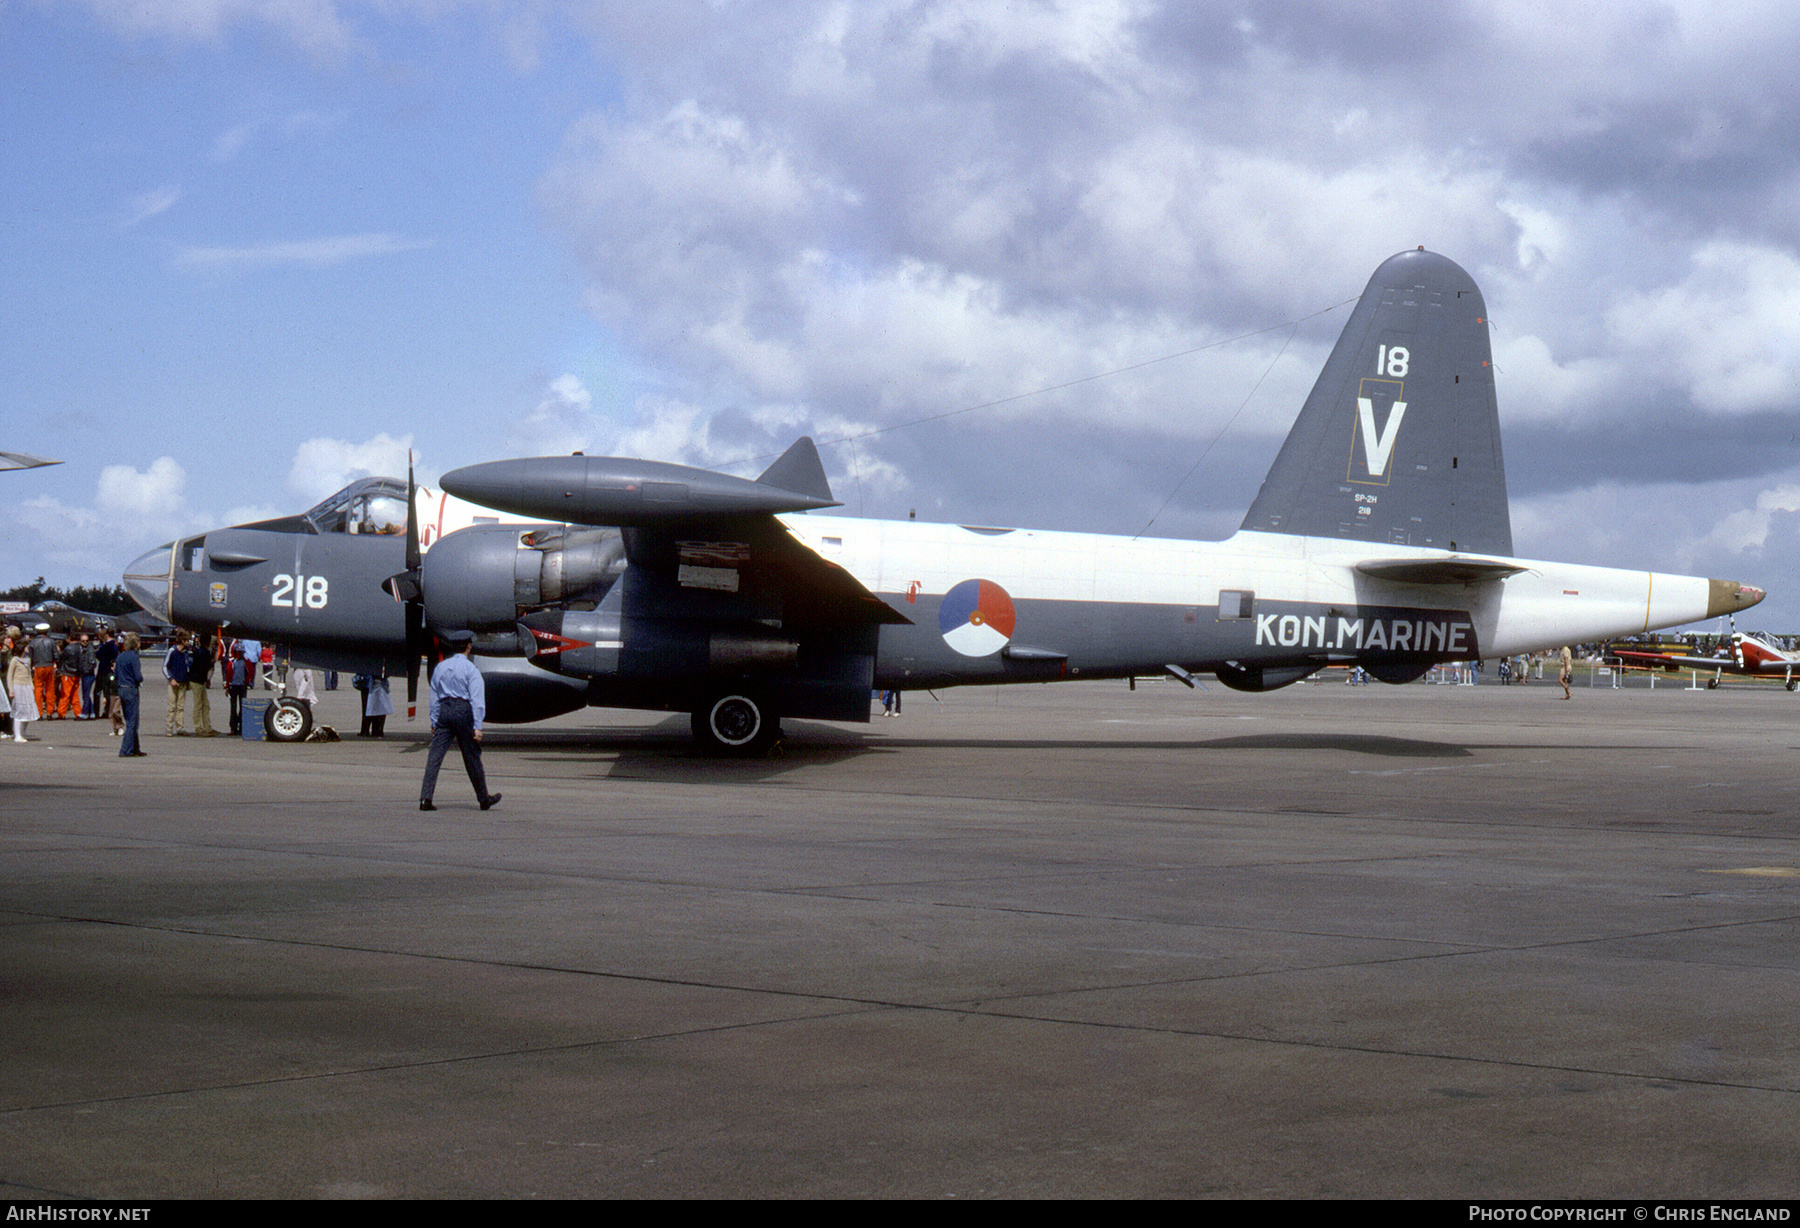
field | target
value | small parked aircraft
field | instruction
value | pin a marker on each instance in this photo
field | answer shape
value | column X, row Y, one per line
column 1754, row 655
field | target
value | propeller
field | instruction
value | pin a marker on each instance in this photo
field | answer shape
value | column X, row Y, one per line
column 415, row 607
column 406, row 588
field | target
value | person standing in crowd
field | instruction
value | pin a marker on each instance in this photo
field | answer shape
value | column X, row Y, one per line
column 175, row 671
column 377, row 705
column 7, row 647
column 106, row 687
column 1567, row 675
column 130, row 675
column 302, row 688
column 43, row 672
column 68, row 680
column 236, row 677
column 90, row 669
column 458, row 707
column 21, row 680
column 252, row 658
column 200, row 663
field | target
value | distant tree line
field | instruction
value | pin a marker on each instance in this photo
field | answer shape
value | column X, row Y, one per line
column 111, row 600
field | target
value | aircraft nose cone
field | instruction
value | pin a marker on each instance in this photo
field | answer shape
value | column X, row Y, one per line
column 147, row 579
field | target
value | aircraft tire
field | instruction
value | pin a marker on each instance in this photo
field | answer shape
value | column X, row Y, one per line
column 1792, row 685
column 734, row 723
column 287, row 720
column 1712, row 684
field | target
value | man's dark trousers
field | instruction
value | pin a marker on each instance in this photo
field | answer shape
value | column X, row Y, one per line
column 456, row 721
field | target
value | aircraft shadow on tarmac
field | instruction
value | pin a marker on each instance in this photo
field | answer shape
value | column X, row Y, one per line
column 665, row 750
column 1365, row 744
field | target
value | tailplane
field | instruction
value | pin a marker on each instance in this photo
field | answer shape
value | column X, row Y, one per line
column 1399, row 443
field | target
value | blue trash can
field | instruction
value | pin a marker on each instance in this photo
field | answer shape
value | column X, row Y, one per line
column 255, row 711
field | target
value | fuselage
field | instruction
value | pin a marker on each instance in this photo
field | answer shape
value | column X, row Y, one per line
column 993, row 605
column 1090, row 605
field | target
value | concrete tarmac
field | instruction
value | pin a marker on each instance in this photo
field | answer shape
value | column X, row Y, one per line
column 1420, row 941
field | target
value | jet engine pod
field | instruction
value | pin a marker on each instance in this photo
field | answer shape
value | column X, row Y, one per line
column 1259, row 678
column 599, row 643
column 577, row 643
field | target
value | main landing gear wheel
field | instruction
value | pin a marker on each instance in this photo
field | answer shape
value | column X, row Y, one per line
column 735, row 724
column 287, row 720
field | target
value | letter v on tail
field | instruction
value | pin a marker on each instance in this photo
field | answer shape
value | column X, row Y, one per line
column 1378, row 446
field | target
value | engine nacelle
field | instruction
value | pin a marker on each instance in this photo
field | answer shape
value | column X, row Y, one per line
column 597, row 644
column 483, row 577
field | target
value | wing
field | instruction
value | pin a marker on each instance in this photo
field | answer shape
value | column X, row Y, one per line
column 717, row 597
column 708, row 543
column 1663, row 660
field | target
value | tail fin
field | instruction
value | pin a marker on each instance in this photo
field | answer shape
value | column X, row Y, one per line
column 1399, row 442
column 799, row 470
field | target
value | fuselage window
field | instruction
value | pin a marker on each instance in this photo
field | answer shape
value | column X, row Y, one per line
column 1236, row 603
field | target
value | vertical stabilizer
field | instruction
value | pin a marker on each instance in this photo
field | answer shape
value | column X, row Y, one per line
column 1399, row 443
column 800, row 470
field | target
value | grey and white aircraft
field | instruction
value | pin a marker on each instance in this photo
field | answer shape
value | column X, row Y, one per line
column 1381, row 538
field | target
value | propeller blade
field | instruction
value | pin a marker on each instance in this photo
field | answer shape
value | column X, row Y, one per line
column 415, row 601
column 412, row 518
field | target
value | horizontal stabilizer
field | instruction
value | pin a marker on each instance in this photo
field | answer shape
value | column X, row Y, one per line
column 23, row 460
column 1455, row 569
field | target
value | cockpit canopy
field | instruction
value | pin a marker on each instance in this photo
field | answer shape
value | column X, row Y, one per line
column 369, row 505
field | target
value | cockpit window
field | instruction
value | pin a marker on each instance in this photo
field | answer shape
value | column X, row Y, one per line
column 373, row 505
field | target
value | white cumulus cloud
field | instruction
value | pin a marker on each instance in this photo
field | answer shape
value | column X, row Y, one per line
column 322, row 466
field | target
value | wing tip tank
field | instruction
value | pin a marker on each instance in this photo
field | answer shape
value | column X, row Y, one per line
column 624, row 491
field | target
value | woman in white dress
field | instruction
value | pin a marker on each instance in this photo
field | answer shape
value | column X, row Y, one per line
column 24, row 700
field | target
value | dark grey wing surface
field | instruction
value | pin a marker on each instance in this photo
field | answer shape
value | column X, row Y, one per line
column 711, row 539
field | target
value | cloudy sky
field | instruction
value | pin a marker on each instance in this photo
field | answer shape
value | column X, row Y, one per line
column 1062, row 265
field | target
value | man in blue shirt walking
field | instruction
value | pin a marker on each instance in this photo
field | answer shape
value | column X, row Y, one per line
column 458, row 706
